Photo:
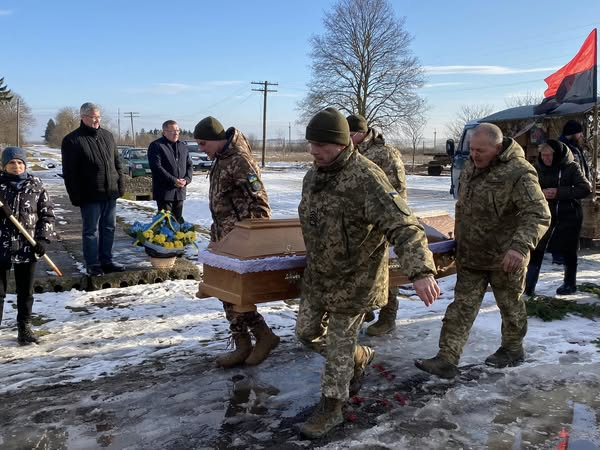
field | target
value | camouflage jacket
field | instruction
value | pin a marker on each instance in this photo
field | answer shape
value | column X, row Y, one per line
column 32, row 207
column 347, row 211
column 499, row 208
column 236, row 190
column 388, row 158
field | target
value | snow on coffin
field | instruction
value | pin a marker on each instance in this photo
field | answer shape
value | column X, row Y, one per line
column 262, row 260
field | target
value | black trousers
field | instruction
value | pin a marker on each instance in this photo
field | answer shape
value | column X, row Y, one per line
column 175, row 206
column 24, row 284
column 537, row 255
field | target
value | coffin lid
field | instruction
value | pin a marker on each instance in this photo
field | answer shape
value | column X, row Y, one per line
column 260, row 238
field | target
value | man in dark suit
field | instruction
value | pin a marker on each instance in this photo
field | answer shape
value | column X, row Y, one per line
column 171, row 168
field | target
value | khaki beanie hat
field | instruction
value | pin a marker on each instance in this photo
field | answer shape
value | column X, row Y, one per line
column 209, row 129
column 357, row 123
column 328, row 126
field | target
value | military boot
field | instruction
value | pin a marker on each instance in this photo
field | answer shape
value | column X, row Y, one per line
column 506, row 358
column 243, row 347
column 437, row 366
column 326, row 416
column 387, row 318
column 266, row 341
column 363, row 356
column 25, row 335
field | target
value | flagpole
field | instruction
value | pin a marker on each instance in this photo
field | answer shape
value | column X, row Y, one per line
column 595, row 125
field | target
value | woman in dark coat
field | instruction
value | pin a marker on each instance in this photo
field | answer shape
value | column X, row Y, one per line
column 563, row 185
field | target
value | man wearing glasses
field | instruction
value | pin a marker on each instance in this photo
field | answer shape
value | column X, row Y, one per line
column 171, row 168
column 94, row 181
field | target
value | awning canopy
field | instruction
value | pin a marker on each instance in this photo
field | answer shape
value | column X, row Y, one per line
column 526, row 112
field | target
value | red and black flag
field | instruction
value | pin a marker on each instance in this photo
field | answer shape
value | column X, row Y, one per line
column 575, row 82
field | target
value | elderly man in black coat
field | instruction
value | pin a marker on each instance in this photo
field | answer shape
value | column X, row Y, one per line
column 93, row 178
column 171, row 168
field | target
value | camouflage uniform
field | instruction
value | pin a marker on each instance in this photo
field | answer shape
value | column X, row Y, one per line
column 389, row 159
column 499, row 208
column 347, row 211
column 236, row 192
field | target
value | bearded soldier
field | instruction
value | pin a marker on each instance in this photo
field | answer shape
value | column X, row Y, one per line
column 348, row 213
column 371, row 144
column 501, row 214
column 236, row 193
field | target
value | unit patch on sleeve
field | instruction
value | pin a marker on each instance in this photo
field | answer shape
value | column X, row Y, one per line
column 254, row 182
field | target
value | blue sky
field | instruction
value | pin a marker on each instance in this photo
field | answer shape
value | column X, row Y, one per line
column 188, row 59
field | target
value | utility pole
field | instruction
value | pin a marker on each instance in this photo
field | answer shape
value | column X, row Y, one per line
column 264, row 90
column 131, row 116
column 18, row 124
column 434, row 137
column 119, row 124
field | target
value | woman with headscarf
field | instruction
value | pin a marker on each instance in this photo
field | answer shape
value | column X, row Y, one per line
column 563, row 185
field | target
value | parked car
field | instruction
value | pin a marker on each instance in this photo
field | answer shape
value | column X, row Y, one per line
column 135, row 162
column 122, row 148
column 199, row 159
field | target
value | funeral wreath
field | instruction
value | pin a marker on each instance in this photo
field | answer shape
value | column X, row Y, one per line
column 163, row 237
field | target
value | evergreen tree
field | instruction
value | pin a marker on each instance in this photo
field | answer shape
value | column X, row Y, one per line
column 49, row 130
column 5, row 96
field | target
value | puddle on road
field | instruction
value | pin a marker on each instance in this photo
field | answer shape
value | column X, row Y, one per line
column 537, row 417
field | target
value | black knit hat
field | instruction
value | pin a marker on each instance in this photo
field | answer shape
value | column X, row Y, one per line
column 357, row 123
column 328, row 126
column 209, row 129
column 572, row 127
column 10, row 153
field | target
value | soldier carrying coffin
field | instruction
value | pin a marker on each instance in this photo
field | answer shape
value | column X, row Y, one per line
column 371, row 144
column 349, row 211
column 236, row 193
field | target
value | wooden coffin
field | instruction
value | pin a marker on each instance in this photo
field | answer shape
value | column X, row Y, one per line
column 263, row 260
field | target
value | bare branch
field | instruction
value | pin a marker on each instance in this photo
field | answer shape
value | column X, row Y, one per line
column 464, row 115
column 362, row 64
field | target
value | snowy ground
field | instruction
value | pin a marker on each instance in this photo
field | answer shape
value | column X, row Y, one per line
column 134, row 367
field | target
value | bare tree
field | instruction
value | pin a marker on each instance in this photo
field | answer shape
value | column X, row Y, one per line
column 412, row 129
column 465, row 114
column 9, row 123
column 529, row 98
column 363, row 64
column 66, row 121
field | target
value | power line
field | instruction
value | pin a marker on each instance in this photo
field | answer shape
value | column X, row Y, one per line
column 265, row 89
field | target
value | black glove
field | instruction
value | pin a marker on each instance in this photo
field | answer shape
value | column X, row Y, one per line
column 40, row 248
column 5, row 211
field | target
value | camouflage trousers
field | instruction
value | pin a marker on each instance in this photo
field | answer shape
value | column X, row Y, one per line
column 241, row 322
column 471, row 285
column 335, row 339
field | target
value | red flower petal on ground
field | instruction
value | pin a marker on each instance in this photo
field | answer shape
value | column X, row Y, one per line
column 401, row 399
